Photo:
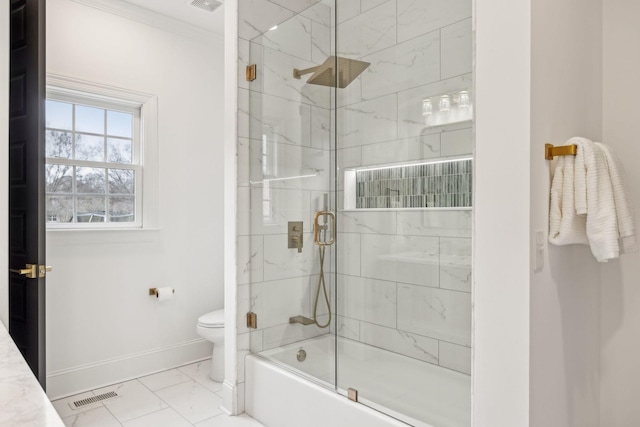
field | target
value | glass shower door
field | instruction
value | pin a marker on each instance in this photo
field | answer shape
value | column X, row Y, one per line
column 403, row 146
column 286, row 180
column 367, row 104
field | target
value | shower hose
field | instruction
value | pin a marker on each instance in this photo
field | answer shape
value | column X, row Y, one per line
column 321, row 284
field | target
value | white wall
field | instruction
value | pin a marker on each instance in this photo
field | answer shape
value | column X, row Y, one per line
column 620, row 308
column 102, row 324
column 4, row 166
column 501, row 220
column 566, row 99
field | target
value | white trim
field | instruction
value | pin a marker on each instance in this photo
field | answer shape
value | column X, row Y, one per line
column 230, row 396
column 76, row 379
column 73, row 88
column 152, row 18
column 67, row 84
column 501, row 296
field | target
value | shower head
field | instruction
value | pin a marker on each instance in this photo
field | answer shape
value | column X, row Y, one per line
column 324, row 75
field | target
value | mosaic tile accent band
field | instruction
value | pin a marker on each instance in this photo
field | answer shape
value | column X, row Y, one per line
column 433, row 185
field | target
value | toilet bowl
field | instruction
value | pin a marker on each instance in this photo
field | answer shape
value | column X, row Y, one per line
column 211, row 327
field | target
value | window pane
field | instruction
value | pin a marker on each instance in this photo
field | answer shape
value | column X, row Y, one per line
column 58, row 144
column 89, row 119
column 119, row 150
column 89, row 148
column 90, row 180
column 91, row 209
column 59, row 179
column 121, row 209
column 59, row 208
column 121, row 181
column 119, row 124
column 58, row 115
column 90, row 138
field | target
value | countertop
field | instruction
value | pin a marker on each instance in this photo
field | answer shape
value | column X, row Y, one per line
column 22, row 400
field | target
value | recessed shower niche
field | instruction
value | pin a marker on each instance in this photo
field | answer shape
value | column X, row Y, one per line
column 433, row 184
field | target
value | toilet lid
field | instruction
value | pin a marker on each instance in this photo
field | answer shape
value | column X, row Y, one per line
column 212, row 320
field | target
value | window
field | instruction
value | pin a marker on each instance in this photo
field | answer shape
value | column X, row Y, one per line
column 94, row 160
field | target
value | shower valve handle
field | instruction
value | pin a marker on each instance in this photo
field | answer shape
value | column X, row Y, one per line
column 317, row 228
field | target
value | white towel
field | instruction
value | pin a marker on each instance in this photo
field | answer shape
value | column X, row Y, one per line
column 589, row 203
column 565, row 225
column 584, row 162
column 602, row 220
column 624, row 211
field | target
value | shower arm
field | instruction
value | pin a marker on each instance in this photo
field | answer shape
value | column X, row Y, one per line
column 299, row 73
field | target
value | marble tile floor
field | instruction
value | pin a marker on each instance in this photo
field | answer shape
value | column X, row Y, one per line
column 175, row 398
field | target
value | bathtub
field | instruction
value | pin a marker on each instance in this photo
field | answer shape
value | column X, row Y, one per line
column 394, row 390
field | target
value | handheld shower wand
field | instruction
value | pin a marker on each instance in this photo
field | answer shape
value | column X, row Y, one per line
column 323, row 235
column 320, row 232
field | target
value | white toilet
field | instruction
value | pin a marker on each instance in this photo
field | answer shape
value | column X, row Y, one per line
column 211, row 327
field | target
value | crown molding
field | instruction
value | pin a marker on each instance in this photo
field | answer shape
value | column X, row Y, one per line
column 152, row 18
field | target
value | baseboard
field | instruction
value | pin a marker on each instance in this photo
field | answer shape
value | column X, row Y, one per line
column 70, row 381
column 229, row 399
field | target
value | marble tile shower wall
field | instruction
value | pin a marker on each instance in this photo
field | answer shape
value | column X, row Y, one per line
column 283, row 168
column 404, row 277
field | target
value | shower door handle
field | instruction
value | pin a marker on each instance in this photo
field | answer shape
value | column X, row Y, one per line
column 324, row 227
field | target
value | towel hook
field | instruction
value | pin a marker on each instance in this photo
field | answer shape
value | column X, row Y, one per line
column 567, row 150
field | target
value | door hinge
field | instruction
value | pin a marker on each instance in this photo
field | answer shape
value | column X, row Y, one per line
column 252, row 72
column 252, row 320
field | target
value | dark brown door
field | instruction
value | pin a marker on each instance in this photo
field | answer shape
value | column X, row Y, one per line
column 26, row 182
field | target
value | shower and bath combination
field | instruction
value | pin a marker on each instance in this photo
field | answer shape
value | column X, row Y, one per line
column 373, row 301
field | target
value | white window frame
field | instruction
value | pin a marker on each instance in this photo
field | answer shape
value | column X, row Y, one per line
column 66, row 89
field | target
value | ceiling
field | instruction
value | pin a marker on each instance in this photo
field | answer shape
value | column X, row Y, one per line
column 182, row 10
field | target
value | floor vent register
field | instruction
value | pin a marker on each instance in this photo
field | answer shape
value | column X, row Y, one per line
column 93, row 399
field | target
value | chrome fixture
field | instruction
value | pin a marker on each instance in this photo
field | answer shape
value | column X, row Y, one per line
column 295, row 235
column 301, row 355
column 324, row 74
